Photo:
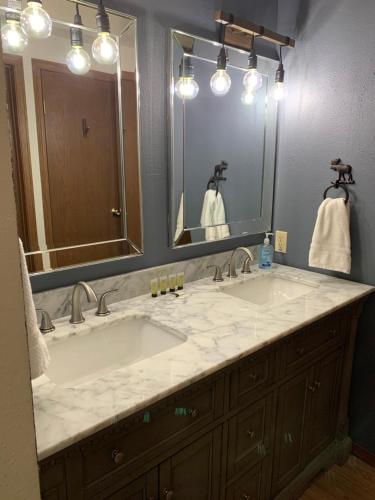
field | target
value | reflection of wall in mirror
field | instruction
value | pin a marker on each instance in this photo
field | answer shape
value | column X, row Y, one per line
column 222, row 128
column 55, row 49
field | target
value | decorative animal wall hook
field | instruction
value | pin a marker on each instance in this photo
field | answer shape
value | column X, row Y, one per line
column 344, row 171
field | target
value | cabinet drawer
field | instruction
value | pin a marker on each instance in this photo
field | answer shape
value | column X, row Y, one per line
column 163, row 424
column 251, row 379
column 249, row 435
column 305, row 345
column 252, row 485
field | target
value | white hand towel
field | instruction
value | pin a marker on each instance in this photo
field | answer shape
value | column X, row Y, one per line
column 330, row 247
column 38, row 350
column 213, row 217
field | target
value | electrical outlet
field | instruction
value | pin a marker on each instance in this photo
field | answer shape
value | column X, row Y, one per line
column 281, row 241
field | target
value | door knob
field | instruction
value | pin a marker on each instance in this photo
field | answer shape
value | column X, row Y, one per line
column 116, row 212
column 168, row 494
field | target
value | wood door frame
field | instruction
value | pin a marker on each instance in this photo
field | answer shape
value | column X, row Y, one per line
column 38, row 65
column 25, row 174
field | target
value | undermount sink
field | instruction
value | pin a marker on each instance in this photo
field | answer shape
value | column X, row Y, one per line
column 78, row 359
column 268, row 290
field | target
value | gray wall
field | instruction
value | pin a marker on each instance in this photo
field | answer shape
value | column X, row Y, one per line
column 329, row 113
column 154, row 20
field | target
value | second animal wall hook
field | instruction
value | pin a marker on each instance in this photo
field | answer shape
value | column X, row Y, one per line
column 344, row 171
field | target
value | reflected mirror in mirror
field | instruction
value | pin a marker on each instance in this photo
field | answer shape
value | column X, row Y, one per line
column 223, row 141
column 74, row 121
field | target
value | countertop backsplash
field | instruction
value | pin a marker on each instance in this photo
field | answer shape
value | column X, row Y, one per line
column 57, row 301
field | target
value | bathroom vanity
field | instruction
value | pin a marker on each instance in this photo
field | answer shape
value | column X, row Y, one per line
column 250, row 402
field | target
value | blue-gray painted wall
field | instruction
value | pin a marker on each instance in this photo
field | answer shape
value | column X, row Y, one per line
column 329, row 113
column 155, row 18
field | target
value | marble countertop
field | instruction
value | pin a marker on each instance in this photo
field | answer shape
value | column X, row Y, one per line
column 220, row 330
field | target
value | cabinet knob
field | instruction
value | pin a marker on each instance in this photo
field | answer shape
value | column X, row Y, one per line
column 300, row 351
column 254, row 377
column 245, row 496
column 333, row 332
column 116, row 212
column 168, row 494
column 250, row 433
column 118, row 456
column 312, row 387
column 317, row 385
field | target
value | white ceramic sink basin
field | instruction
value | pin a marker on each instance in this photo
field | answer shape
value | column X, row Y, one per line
column 83, row 358
column 269, row 290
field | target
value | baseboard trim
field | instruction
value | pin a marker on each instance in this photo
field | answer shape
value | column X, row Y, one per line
column 363, row 454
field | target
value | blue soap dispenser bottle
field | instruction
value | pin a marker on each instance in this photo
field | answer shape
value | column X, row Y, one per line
column 266, row 253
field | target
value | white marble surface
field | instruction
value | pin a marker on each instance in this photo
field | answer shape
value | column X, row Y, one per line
column 220, row 329
column 58, row 301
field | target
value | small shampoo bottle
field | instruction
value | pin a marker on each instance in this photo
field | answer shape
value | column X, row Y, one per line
column 266, row 253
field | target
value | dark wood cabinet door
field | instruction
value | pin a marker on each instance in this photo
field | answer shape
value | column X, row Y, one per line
column 143, row 488
column 290, row 439
column 194, row 472
column 324, row 406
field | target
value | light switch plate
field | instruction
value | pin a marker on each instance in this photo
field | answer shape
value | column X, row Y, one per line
column 281, row 241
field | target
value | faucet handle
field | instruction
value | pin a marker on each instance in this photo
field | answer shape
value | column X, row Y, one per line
column 218, row 276
column 102, row 303
column 46, row 324
column 246, row 269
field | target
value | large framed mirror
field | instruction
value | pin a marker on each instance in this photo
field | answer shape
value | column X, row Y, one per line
column 222, row 148
column 75, row 137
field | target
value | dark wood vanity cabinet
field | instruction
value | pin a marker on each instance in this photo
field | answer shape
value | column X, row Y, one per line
column 258, row 429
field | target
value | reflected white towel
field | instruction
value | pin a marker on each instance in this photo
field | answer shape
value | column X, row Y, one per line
column 38, row 350
column 180, row 220
column 330, row 247
column 213, row 216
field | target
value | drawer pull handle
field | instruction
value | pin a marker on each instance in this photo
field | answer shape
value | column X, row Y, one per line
column 168, row 494
column 118, row 456
column 254, row 377
column 186, row 412
column 300, row 351
column 251, row 434
column 245, row 496
column 193, row 412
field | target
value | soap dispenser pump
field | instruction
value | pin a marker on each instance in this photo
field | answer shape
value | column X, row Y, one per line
column 266, row 253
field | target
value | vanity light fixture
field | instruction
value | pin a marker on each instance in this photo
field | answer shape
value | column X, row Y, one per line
column 105, row 48
column 13, row 37
column 77, row 59
column 279, row 90
column 35, row 21
column 253, row 80
column 186, row 87
column 220, row 81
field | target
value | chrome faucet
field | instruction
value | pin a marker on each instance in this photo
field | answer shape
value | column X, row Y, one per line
column 246, row 267
column 77, row 316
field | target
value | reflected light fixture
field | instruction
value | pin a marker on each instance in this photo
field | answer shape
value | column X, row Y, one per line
column 105, row 48
column 186, row 87
column 35, row 21
column 247, row 97
column 13, row 37
column 253, row 80
column 220, row 81
column 77, row 59
column 279, row 91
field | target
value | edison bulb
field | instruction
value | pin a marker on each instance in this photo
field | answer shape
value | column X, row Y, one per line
column 247, row 97
column 105, row 49
column 13, row 37
column 253, row 80
column 35, row 21
column 279, row 91
column 187, row 88
column 220, row 82
column 78, row 61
